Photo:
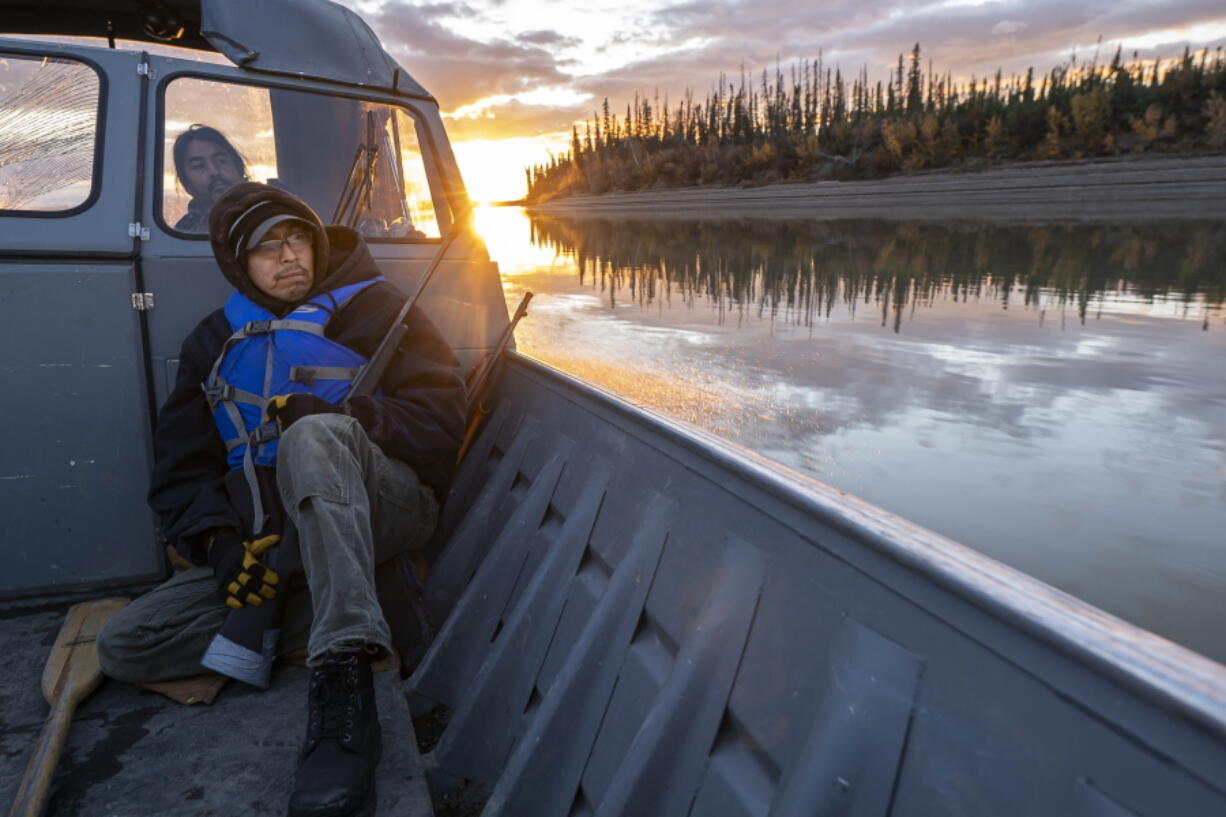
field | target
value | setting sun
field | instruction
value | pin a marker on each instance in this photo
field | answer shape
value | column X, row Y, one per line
column 493, row 169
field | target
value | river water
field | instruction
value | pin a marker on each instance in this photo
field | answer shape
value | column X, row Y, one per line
column 1053, row 396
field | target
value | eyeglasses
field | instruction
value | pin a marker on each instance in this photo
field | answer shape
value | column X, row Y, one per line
column 298, row 242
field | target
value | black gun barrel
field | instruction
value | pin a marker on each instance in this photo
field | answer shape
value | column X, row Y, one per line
column 368, row 377
column 478, row 382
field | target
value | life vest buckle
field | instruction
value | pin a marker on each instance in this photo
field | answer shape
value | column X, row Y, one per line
column 257, row 327
column 218, row 393
column 263, row 433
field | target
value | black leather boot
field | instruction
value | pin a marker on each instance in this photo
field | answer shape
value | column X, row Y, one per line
column 336, row 774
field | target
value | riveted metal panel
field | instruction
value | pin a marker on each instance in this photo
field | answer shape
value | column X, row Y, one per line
column 76, row 459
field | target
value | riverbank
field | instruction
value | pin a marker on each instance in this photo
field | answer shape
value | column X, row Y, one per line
column 1131, row 188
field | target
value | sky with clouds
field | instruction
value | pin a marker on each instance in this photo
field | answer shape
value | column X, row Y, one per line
column 512, row 76
column 521, row 68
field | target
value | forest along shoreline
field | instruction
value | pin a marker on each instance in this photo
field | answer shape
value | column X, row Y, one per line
column 1133, row 188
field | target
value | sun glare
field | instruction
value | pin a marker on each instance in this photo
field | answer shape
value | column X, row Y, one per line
column 557, row 97
column 493, row 169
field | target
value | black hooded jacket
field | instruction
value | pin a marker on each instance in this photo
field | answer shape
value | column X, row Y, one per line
column 419, row 418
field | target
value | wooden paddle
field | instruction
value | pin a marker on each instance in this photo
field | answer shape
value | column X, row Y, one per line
column 71, row 674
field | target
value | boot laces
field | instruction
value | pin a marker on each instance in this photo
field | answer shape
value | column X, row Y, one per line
column 334, row 699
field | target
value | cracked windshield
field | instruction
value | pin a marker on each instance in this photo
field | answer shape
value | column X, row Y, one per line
column 1050, row 395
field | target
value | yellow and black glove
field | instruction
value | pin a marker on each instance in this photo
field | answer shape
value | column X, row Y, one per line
column 287, row 409
column 243, row 578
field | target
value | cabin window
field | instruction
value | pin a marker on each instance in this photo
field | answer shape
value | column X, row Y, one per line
column 48, row 131
column 356, row 162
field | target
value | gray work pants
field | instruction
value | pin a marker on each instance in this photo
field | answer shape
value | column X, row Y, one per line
column 354, row 507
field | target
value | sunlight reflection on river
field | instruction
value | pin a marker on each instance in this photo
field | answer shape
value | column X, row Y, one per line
column 1052, row 396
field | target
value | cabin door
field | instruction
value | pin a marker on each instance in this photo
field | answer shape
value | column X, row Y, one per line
column 74, row 453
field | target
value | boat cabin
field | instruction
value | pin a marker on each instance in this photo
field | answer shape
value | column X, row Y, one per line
column 630, row 617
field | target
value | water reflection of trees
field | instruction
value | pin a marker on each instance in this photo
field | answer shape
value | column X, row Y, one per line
column 798, row 271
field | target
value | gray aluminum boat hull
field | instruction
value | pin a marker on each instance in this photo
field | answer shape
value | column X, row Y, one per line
column 640, row 619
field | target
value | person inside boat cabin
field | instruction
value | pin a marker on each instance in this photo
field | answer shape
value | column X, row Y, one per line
column 207, row 166
column 238, row 475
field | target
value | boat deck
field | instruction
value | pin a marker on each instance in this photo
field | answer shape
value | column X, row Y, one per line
column 136, row 753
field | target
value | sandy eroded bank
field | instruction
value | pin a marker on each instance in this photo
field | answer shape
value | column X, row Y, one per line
column 1150, row 187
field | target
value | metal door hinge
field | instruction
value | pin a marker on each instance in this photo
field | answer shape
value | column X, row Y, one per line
column 136, row 229
column 142, row 301
column 142, row 69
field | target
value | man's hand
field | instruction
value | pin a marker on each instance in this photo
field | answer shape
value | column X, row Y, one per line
column 242, row 576
column 287, row 409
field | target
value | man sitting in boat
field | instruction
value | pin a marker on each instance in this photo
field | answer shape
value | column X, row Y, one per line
column 207, row 166
column 255, row 447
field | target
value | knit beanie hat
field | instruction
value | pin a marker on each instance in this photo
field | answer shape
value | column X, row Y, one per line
column 243, row 216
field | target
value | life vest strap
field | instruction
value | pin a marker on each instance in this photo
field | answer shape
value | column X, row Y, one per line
column 252, row 328
column 253, row 440
column 219, row 391
column 253, row 484
column 309, row 374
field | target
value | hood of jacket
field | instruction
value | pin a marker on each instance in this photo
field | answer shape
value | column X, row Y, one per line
column 341, row 254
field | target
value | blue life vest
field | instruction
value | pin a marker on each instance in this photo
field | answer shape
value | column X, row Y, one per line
column 267, row 356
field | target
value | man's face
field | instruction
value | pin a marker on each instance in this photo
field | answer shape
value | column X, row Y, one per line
column 282, row 265
column 208, row 170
